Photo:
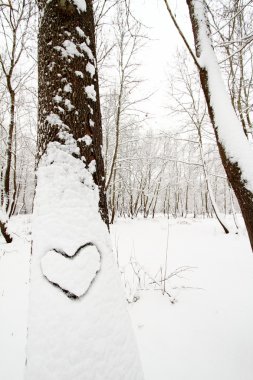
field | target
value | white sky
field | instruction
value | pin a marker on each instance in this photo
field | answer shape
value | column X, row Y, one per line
column 158, row 54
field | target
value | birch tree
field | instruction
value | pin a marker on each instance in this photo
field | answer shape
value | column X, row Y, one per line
column 78, row 325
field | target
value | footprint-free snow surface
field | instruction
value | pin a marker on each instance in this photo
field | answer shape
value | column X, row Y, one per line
column 206, row 334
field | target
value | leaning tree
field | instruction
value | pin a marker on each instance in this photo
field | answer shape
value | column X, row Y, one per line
column 234, row 148
column 78, row 325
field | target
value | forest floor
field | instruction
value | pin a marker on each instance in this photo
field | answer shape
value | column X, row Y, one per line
column 201, row 328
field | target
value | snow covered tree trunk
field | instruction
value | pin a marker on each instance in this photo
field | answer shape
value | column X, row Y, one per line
column 234, row 148
column 78, row 324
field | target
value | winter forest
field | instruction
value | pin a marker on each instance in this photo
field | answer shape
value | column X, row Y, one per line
column 126, row 187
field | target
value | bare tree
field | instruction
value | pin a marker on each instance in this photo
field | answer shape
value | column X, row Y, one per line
column 14, row 20
column 190, row 102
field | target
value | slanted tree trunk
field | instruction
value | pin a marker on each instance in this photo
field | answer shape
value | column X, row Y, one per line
column 4, row 229
column 78, row 325
column 224, row 120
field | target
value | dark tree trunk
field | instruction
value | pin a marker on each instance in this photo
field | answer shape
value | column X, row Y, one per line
column 7, row 174
column 233, row 171
column 83, row 116
column 5, row 233
column 16, row 187
column 5, row 193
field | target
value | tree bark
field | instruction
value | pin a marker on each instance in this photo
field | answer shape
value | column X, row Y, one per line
column 84, row 119
column 5, row 233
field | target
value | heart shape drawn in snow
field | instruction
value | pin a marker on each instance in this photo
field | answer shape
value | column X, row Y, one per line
column 75, row 274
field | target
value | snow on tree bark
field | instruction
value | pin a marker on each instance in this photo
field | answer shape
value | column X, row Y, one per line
column 78, row 324
column 235, row 151
column 66, row 49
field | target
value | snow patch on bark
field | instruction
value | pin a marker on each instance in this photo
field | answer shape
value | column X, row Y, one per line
column 80, row 31
column 57, row 98
column 69, row 146
column 91, row 92
column 83, row 46
column 92, row 167
column 68, row 105
column 67, row 87
column 87, row 139
column 90, row 69
column 79, row 74
column 81, row 5
column 69, row 49
column 54, row 119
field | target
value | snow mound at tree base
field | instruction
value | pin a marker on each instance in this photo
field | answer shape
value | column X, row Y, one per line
column 90, row 338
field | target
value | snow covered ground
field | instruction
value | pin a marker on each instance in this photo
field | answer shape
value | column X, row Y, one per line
column 206, row 333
